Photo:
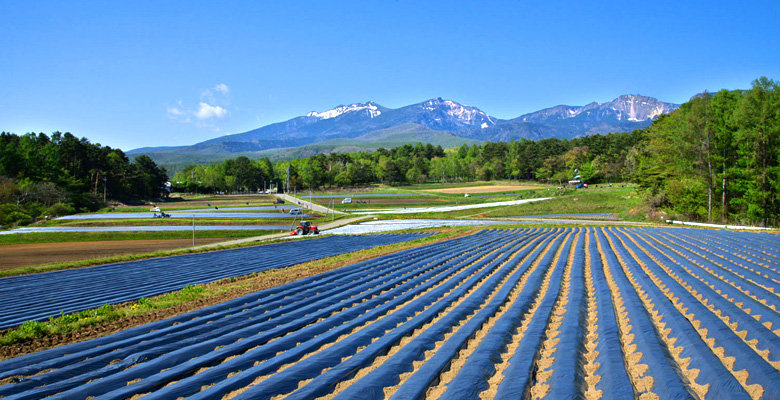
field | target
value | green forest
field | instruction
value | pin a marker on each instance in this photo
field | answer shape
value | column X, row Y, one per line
column 58, row 175
column 715, row 159
column 599, row 158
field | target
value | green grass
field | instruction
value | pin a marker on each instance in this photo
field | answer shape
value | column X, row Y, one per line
column 623, row 202
column 66, row 323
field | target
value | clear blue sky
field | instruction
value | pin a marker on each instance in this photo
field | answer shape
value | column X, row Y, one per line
column 129, row 74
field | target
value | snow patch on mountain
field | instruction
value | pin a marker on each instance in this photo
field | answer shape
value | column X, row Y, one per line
column 632, row 108
column 637, row 108
column 371, row 108
column 463, row 113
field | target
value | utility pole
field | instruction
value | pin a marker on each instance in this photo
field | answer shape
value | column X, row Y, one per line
column 288, row 178
column 193, row 230
column 104, row 189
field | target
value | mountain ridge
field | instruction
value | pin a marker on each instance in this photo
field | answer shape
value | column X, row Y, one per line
column 454, row 122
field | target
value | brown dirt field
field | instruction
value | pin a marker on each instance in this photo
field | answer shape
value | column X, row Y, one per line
column 383, row 201
column 23, row 255
column 483, row 189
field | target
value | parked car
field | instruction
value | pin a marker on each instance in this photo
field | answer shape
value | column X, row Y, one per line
column 296, row 211
column 348, row 200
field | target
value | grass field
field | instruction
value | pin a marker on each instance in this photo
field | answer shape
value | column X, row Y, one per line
column 624, row 203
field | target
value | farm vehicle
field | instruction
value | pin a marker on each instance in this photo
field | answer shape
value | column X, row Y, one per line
column 305, row 228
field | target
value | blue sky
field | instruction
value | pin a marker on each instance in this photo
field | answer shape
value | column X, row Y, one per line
column 130, row 74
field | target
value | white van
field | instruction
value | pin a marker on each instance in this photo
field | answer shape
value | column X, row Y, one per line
column 296, row 211
column 348, row 200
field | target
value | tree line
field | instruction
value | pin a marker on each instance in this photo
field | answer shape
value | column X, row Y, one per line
column 599, row 158
column 62, row 174
column 716, row 158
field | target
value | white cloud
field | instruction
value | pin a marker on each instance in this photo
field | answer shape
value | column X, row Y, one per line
column 207, row 111
column 211, row 107
column 220, row 93
column 222, row 88
column 173, row 111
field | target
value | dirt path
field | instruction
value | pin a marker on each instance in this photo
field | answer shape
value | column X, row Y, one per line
column 311, row 206
column 23, row 255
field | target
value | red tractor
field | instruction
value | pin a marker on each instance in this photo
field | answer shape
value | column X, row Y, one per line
column 304, row 229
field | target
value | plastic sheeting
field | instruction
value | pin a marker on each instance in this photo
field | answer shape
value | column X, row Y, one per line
column 443, row 317
column 38, row 296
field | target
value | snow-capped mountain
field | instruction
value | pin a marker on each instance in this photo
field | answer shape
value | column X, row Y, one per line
column 371, row 109
column 370, row 122
column 623, row 114
column 458, row 113
column 631, row 107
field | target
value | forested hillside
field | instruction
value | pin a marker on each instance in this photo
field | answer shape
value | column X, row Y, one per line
column 61, row 174
column 716, row 157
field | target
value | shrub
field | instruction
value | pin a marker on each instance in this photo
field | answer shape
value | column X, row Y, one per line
column 33, row 329
column 59, row 209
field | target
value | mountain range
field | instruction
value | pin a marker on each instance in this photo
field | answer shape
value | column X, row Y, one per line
column 368, row 126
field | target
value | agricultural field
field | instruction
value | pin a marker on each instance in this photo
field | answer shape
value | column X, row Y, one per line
column 595, row 313
column 486, row 189
column 132, row 230
column 75, row 290
column 424, row 196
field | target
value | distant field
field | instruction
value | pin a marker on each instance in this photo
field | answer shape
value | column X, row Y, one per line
column 483, row 189
column 623, row 203
column 24, row 255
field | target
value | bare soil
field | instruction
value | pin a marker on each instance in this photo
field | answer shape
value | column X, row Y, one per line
column 23, row 255
column 324, row 202
column 483, row 189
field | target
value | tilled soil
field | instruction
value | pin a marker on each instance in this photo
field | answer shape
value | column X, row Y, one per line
column 23, row 255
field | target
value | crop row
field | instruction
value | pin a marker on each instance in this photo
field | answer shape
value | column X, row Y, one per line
column 591, row 313
column 39, row 296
